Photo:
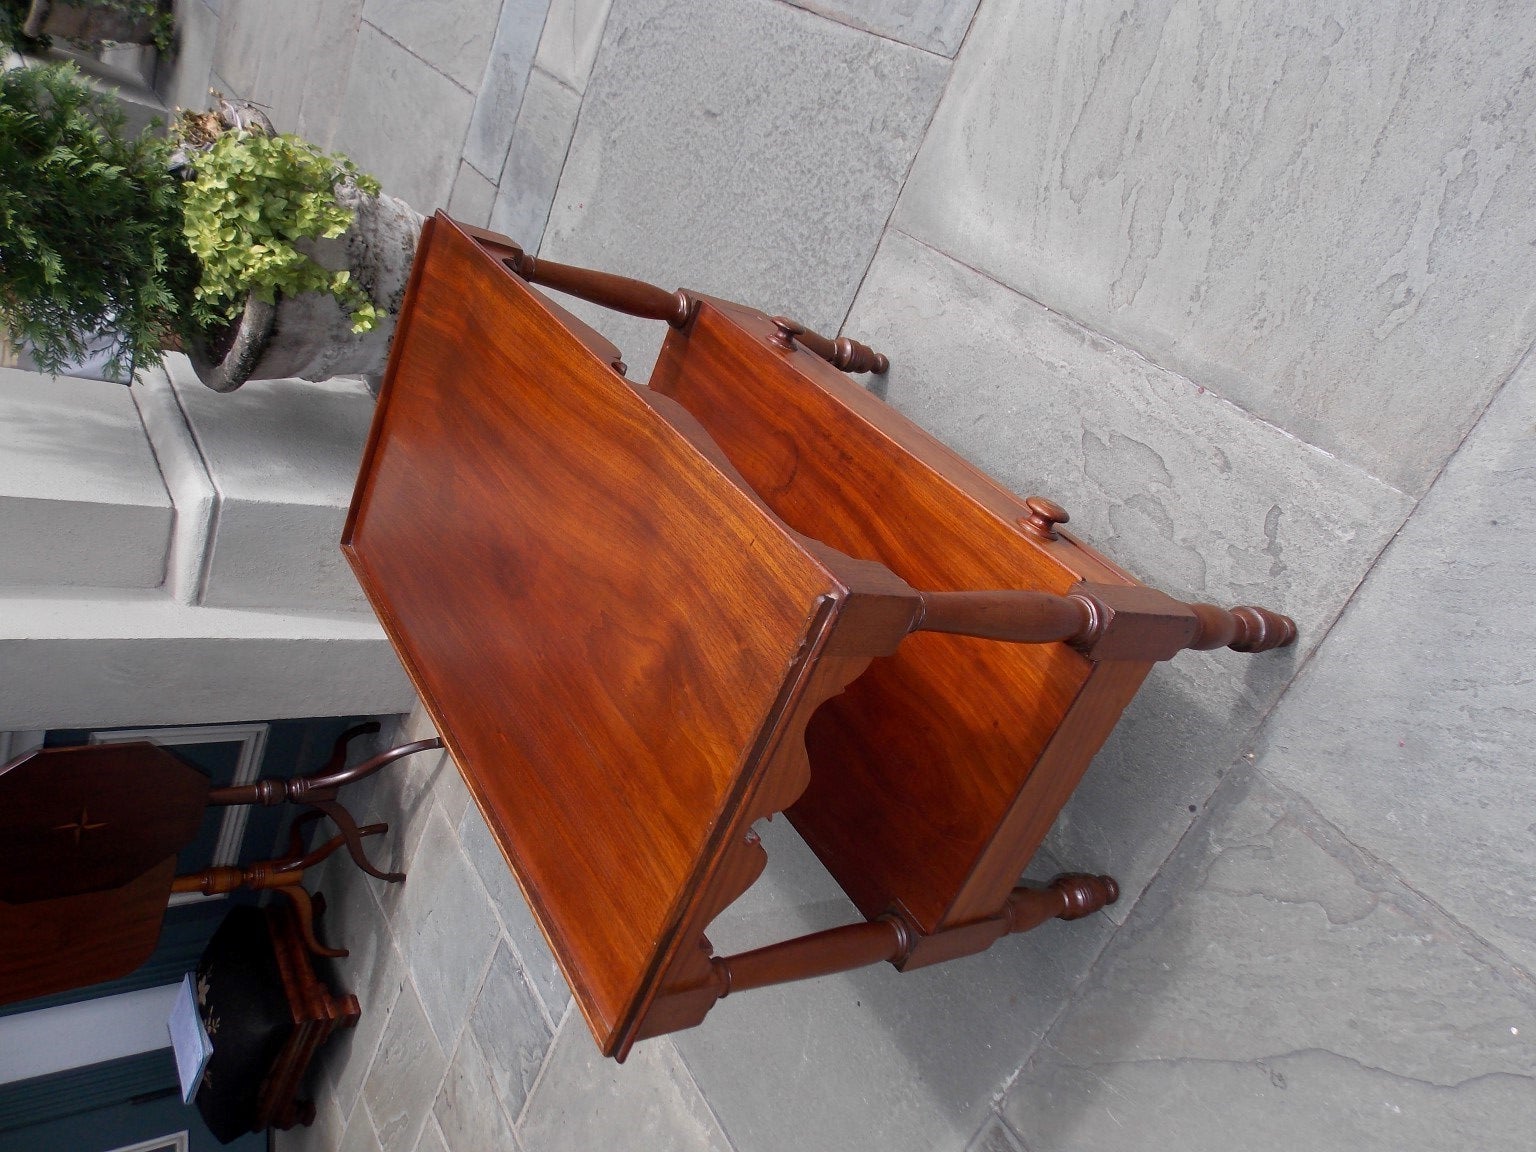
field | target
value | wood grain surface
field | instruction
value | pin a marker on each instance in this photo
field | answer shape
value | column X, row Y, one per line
column 643, row 618
column 49, row 946
column 93, row 817
column 605, row 630
column 936, row 775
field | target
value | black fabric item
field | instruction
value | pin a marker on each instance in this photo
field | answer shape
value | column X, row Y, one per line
column 240, row 995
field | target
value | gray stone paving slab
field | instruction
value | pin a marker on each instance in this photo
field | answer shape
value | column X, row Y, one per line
column 403, row 121
column 585, row 1100
column 1279, row 982
column 360, row 1135
column 744, row 149
column 1321, row 217
column 404, row 1077
column 1306, row 1099
column 446, row 929
column 995, row 1136
column 1187, row 491
column 182, row 80
column 453, row 36
column 916, row 1058
column 509, row 1031
column 402, row 798
column 324, row 1135
column 432, row 1139
column 472, row 196
column 932, row 25
column 466, row 1110
column 347, row 1056
column 540, row 139
column 372, row 971
column 501, row 90
column 1174, row 743
column 292, row 57
column 254, row 34
column 795, row 895
column 1413, row 728
column 330, row 53
column 416, row 725
column 450, row 791
column 573, row 30
column 534, row 956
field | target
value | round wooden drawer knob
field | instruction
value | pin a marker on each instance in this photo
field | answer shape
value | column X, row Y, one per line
column 1043, row 517
column 787, row 330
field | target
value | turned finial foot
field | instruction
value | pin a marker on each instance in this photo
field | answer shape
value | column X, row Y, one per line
column 1084, row 894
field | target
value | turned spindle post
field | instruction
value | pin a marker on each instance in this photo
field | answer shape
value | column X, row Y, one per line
column 1103, row 621
column 1070, row 896
column 1246, row 628
column 319, row 792
column 620, row 293
column 845, row 354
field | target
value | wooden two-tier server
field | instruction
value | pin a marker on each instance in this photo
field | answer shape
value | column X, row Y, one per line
column 643, row 618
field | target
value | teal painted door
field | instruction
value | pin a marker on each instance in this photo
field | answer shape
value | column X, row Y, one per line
column 152, row 1117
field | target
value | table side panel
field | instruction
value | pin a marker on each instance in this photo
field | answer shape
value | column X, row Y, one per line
column 599, row 624
column 920, row 768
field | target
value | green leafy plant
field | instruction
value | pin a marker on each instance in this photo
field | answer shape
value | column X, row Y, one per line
column 90, row 226
column 162, row 25
column 100, row 240
column 252, row 199
column 13, row 14
column 154, row 14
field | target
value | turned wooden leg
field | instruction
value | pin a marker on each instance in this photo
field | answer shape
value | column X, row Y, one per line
column 308, row 789
column 1103, row 621
column 352, row 835
column 1246, row 628
column 839, row 949
column 299, row 1114
column 298, row 860
column 304, row 915
column 266, row 875
column 1070, row 896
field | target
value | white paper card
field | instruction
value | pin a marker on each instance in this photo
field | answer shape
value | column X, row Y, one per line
column 189, row 1039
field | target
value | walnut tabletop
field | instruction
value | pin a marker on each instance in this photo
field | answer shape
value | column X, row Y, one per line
column 607, row 634
column 625, row 642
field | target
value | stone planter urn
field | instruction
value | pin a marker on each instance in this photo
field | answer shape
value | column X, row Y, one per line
column 310, row 336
